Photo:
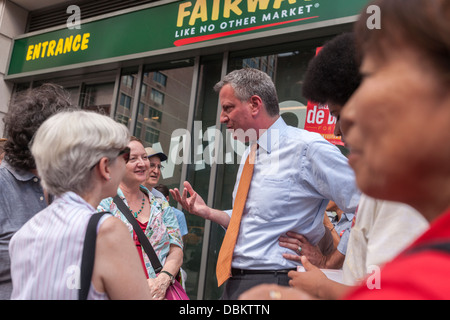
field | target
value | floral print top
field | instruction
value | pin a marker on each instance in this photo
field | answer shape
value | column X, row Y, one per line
column 162, row 228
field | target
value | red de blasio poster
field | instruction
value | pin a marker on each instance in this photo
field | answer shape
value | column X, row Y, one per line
column 319, row 119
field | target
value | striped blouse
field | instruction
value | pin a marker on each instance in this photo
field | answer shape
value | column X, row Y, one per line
column 46, row 252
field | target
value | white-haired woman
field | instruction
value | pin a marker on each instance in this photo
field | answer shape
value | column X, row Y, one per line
column 81, row 158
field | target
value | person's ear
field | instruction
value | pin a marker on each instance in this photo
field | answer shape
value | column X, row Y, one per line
column 256, row 104
column 104, row 169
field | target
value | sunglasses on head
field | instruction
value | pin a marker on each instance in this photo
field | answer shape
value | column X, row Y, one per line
column 125, row 153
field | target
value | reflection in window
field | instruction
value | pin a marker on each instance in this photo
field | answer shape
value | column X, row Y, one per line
column 126, row 96
column 143, row 90
column 125, row 101
column 128, row 80
column 97, row 97
column 268, row 64
column 154, row 114
column 151, row 135
column 157, row 96
column 160, row 78
column 74, row 94
column 163, row 108
column 122, row 119
column 138, row 129
column 141, row 108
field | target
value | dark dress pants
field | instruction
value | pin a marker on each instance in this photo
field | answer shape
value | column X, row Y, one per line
column 238, row 284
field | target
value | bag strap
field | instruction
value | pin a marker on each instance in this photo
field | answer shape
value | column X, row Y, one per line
column 88, row 256
column 145, row 243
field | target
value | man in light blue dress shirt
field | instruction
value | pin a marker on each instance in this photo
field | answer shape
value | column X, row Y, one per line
column 295, row 175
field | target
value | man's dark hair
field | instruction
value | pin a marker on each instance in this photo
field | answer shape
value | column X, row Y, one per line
column 27, row 112
column 333, row 75
column 163, row 189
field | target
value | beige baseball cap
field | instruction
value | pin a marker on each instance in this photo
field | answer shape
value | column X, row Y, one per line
column 151, row 152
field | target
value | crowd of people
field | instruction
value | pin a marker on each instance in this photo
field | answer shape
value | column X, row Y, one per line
column 389, row 91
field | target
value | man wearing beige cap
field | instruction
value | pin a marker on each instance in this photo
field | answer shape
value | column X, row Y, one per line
column 155, row 159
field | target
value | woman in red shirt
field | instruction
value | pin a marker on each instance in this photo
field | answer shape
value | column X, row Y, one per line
column 397, row 125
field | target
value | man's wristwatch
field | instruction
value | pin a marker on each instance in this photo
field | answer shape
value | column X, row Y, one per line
column 172, row 278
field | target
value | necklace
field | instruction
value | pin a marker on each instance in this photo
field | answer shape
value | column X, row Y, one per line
column 135, row 214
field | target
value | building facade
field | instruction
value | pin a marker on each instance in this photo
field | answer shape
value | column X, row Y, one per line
column 151, row 65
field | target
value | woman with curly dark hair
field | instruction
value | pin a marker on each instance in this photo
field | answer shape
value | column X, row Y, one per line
column 21, row 194
column 27, row 112
column 2, row 152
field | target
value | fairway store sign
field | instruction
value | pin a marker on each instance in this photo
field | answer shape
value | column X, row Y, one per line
column 165, row 28
column 217, row 19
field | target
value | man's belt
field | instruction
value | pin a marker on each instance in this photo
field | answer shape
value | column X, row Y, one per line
column 236, row 272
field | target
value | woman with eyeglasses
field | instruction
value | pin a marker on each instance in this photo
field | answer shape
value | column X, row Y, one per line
column 156, row 220
column 80, row 157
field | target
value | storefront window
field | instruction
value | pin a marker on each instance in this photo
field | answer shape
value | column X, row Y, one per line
column 125, row 96
column 163, row 110
column 97, row 97
column 199, row 175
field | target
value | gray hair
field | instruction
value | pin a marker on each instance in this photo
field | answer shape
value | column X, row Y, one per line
column 69, row 144
column 248, row 82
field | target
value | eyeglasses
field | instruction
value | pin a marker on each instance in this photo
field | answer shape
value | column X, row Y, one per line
column 126, row 154
column 154, row 165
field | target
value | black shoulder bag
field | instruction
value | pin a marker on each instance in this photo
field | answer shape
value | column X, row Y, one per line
column 88, row 256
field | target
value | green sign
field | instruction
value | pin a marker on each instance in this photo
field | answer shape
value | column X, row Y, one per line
column 170, row 27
